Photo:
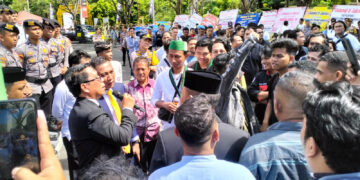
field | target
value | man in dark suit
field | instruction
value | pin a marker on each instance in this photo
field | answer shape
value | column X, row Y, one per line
column 93, row 131
column 168, row 149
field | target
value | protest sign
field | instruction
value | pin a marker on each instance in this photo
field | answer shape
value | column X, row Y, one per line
column 340, row 12
column 209, row 19
column 245, row 19
column 292, row 15
column 182, row 20
column 318, row 15
column 268, row 20
column 195, row 19
column 227, row 16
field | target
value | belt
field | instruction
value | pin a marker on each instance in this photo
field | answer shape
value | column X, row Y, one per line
column 52, row 65
column 36, row 80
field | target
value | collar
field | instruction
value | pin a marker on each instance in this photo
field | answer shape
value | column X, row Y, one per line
column 187, row 158
column 150, row 83
column 94, row 101
column 286, row 126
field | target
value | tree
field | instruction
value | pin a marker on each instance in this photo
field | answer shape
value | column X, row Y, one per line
column 72, row 7
column 104, row 8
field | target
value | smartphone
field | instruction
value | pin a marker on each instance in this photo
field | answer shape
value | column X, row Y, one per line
column 18, row 136
column 351, row 55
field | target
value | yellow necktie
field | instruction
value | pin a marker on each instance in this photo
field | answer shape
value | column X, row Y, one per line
column 117, row 111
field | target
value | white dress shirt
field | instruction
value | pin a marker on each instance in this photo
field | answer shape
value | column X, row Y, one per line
column 62, row 106
column 107, row 100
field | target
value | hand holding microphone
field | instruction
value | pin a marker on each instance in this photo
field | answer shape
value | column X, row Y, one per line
column 129, row 102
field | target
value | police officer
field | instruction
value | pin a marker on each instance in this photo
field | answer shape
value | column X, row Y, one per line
column 8, row 40
column 56, row 56
column 65, row 46
column 35, row 56
column 7, row 14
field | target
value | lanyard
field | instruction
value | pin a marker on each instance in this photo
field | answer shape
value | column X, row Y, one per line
column 197, row 64
column 176, row 87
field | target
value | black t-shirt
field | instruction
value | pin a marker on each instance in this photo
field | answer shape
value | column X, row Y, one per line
column 272, row 84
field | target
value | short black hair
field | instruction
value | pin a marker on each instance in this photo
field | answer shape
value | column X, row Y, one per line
column 342, row 22
column 185, row 29
column 332, row 114
column 131, row 28
column 286, row 23
column 194, row 120
column 289, row 44
column 225, row 42
column 293, row 34
column 336, row 61
column 286, row 33
column 319, row 34
column 75, row 56
column 206, row 42
column 96, row 61
column 266, row 51
column 74, row 77
column 323, row 49
column 252, row 25
column 330, row 41
column 221, row 32
column 190, row 39
column 141, row 59
column 307, row 67
column 232, row 38
column 314, row 26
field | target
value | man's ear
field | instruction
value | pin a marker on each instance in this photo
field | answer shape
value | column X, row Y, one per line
column 84, row 88
column 215, row 135
column 311, row 149
column 339, row 75
column 176, row 131
column 292, row 58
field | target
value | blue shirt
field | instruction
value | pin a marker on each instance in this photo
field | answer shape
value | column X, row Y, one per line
column 353, row 41
column 276, row 153
column 132, row 44
column 348, row 176
column 202, row 167
column 62, row 105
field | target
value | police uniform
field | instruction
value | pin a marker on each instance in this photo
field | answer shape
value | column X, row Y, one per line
column 56, row 56
column 35, row 62
column 9, row 58
column 65, row 46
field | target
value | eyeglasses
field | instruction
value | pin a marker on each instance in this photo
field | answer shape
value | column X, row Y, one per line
column 97, row 78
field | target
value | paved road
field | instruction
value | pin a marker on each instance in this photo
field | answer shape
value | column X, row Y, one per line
column 117, row 55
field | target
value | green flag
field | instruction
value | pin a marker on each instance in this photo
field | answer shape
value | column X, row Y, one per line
column 3, row 95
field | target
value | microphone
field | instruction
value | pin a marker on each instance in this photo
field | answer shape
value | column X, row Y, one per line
column 120, row 96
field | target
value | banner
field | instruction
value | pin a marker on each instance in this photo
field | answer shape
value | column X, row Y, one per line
column 182, row 20
column 68, row 21
column 105, row 20
column 268, row 19
column 96, row 21
column 165, row 23
column 194, row 19
column 245, row 19
column 292, row 15
column 318, row 15
column 210, row 19
column 51, row 12
column 340, row 12
column 227, row 16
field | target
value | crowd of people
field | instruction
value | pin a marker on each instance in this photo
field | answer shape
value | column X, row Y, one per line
column 202, row 103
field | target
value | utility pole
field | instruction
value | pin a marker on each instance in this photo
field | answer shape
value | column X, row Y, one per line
column 28, row 5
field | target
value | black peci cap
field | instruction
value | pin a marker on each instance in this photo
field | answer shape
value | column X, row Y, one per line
column 13, row 74
column 205, row 82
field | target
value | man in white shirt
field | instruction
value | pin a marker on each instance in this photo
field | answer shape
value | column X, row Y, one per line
column 62, row 106
column 160, row 53
column 167, row 89
column 340, row 28
column 284, row 27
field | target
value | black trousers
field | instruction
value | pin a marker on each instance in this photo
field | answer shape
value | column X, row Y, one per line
column 146, row 151
column 125, row 53
column 44, row 101
column 72, row 158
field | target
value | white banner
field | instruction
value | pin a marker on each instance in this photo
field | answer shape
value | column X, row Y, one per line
column 182, row 20
column 227, row 16
column 96, row 21
column 105, row 20
column 340, row 12
column 68, row 21
column 292, row 15
column 268, row 20
column 194, row 19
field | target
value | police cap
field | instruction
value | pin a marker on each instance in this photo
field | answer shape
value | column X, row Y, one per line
column 31, row 23
column 9, row 27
